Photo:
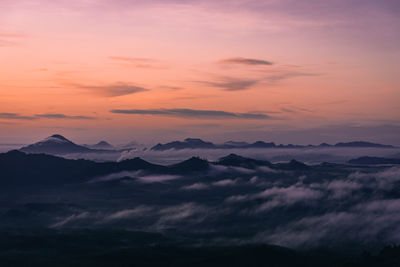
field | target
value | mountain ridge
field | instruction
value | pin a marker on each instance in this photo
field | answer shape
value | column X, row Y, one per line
column 20, row 167
column 197, row 143
column 57, row 144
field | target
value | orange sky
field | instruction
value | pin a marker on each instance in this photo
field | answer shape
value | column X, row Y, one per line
column 160, row 70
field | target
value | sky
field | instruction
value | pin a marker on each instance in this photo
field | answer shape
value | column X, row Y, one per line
column 288, row 71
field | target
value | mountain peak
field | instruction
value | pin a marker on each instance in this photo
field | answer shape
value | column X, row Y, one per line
column 103, row 143
column 361, row 144
column 54, row 144
column 59, row 136
column 55, row 138
column 292, row 165
column 194, row 164
column 239, row 161
column 188, row 143
column 194, row 140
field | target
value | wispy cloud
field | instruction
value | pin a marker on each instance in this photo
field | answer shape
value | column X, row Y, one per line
column 231, row 84
column 286, row 74
column 112, row 90
column 244, row 61
column 195, row 186
column 225, row 182
column 17, row 116
column 172, row 88
column 63, row 116
column 244, row 83
column 71, row 218
column 201, row 125
column 193, row 113
column 128, row 213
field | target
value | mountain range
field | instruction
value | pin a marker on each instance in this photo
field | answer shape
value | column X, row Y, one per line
column 374, row 161
column 20, row 167
column 59, row 145
column 195, row 143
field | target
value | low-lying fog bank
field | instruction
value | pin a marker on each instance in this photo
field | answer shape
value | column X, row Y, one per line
column 307, row 155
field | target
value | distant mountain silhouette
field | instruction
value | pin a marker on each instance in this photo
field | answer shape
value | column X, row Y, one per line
column 59, row 145
column 20, row 168
column 239, row 161
column 261, row 144
column 194, row 164
column 325, row 145
column 17, row 167
column 362, row 144
column 195, row 143
column 374, row 160
column 100, row 145
column 55, row 144
column 189, row 143
column 292, row 165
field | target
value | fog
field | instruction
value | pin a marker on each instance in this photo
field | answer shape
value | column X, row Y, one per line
column 322, row 205
column 307, row 155
column 298, row 210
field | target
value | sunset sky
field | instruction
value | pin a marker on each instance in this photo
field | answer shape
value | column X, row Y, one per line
column 289, row 71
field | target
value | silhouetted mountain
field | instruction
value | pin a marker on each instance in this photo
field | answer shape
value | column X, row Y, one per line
column 55, row 144
column 239, row 161
column 374, row 160
column 137, row 164
column 249, row 163
column 118, row 247
column 196, row 202
column 59, row 145
column 291, row 146
column 292, row 165
column 100, row 145
column 189, row 143
column 194, row 164
column 261, row 144
column 324, row 145
column 362, row 144
column 18, row 167
column 192, row 143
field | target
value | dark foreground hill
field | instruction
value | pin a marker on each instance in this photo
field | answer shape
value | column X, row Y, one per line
column 374, row 161
column 19, row 167
column 128, row 248
column 236, row 211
